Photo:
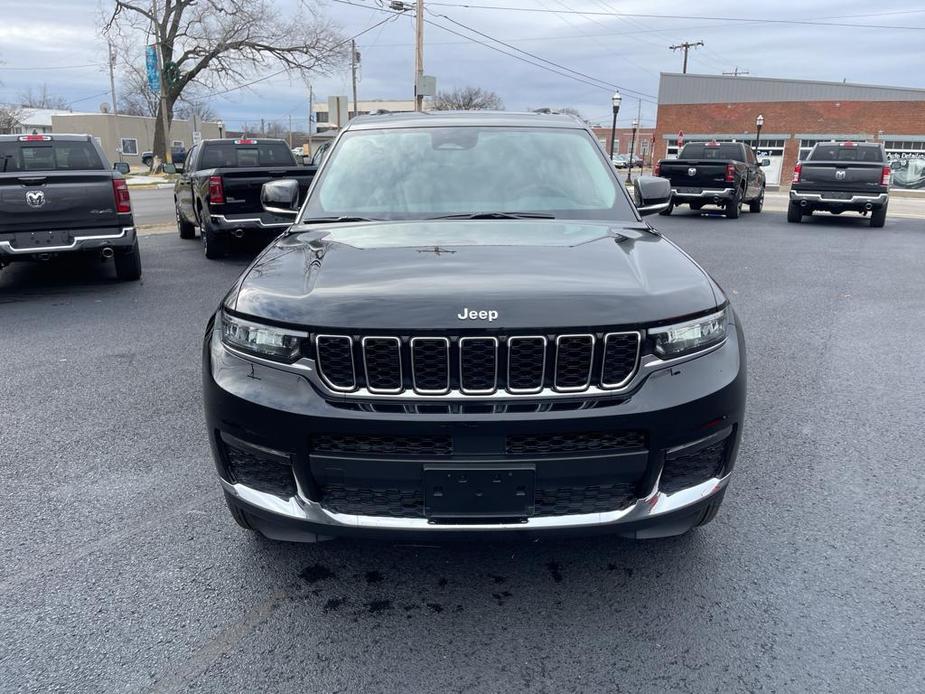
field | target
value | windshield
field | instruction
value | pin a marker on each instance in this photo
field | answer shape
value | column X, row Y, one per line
column 418, row 173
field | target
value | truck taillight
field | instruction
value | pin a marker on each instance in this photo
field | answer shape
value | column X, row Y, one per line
column 216, row 191
column 35, row 138
column 885, row 176
column 796, row 173
column 245, row 141
column 120, row 193
column 730, row 173
column 657, row 169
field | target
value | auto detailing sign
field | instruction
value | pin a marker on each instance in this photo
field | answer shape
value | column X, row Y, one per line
column 908, row 169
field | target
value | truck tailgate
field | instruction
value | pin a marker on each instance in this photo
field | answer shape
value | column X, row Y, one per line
column 694, row 173
column 44, row 200
column 854, row 176
column 242, row 185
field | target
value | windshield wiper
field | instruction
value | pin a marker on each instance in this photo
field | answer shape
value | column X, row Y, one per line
column 498, row 215
column 321, row 220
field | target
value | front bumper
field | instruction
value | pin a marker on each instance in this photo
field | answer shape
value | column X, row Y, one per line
column 828, row 200
column 704, row 195
column 28, row 245
column 682, row 409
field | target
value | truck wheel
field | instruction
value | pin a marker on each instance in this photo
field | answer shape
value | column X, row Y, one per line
column 878, row 217
column 186, row 229
column 128, row 264
column 214, row 245
column 667, row 210
column 757, row 204
column 733, row 207
column 794, row 213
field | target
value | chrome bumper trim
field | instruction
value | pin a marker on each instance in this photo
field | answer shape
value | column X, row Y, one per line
column 880, row 199
column 75, row 243
column 705, row 193
column 249, row 220
column 654, row 505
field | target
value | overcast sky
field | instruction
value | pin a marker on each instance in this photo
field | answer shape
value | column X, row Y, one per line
column 56, row 42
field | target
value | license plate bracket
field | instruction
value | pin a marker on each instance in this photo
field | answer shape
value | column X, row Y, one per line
column 479, row 491
column 27, row 240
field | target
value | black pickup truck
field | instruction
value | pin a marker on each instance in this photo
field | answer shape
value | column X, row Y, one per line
column 219, row 190
column 726, row 174
column 59, row 198
column 840, row 176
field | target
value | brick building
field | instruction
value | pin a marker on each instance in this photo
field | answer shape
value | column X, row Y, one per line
column 797, row 114
column 624, row 140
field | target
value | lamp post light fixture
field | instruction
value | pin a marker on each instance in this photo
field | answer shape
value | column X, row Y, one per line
column 759, row 121
column 615, row 100
column 629, row 170
column 221, row 129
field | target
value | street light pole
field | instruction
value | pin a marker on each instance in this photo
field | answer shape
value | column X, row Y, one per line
column 629, row 171
column 615, row 101
column 759, row 121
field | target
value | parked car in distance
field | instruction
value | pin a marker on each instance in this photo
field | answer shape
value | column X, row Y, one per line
column 724, row 174
column 470, row 331
column 177, row 157
column 842, row 176
column 620, row 161
column 59, row 198
column 218, row 191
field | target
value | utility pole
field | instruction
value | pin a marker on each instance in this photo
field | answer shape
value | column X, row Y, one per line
column 354, row 64
column 686, row 46
column 736, row 72
column 311, row 117
column 290, row 131
column 263, row 128
column 112, row 87
column 419, row 56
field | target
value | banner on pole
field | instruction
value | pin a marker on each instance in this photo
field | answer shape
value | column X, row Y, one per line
column 154, row 77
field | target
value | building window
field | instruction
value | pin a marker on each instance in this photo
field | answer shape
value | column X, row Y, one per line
column 177, row 144
column 129, row 145
column 321, row 117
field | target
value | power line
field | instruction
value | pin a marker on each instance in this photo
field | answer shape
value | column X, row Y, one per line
column 56, row 67
column 757, row 20
column 736, row 72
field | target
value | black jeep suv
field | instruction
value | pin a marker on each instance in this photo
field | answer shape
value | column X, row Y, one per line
column 470, row 330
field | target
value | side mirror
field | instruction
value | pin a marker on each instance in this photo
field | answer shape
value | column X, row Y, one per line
column 764, row 162
column 281, row 196
column 169, row 168
column 122, row 167
column 651, row 194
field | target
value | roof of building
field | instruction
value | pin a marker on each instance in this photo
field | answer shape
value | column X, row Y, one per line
column 450, row 118
column 41, row 117
column 677, row 88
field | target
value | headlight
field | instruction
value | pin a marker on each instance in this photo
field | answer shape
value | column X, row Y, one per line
column 262, row 340
column 691, row 336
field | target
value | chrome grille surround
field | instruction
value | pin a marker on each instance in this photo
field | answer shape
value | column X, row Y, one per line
column 465, row 371
column 565, row 373
column 375, row 342
column 511, row 344
column 319, row 339
column 418, row 343
column 631, row 372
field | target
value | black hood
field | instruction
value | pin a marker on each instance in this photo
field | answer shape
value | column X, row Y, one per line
column 420, row 276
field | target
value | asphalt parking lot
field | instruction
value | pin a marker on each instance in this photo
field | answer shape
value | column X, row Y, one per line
column 121, row 570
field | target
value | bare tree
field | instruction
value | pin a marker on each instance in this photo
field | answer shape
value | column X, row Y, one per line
column 40, row 98
column 568, row 110
column 202, row 110
column 468, row 99
column 10, row 119
column 135, row 98
column 223, row 44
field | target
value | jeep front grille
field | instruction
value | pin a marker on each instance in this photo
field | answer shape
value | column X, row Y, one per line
column 477, row 365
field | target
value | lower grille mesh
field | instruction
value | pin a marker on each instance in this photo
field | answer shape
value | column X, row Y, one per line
column 370, row 444
column 394, row 503
column 562, row 501
column 539, row 444
column 693, row 468
column 259, row 472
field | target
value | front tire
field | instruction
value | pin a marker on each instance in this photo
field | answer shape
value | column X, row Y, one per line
column 878, row 217
column 756, row 205
column 128, row 264
column 794, row 213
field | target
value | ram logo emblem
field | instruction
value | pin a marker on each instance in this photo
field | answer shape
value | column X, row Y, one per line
column 692, row 171
column 35, row 198
column 840, row 175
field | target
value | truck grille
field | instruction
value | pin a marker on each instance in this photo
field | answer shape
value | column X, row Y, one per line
column 483, row 365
